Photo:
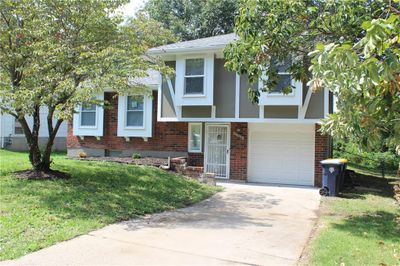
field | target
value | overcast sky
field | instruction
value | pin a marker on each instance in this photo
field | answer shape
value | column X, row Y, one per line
column 131, row 8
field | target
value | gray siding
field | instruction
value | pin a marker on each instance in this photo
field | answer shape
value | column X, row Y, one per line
column 167, row 106
column 247, row 109
column 316, row 106
column 20, row 143
column 224, row 90
column 280, row 111
column 196, row 111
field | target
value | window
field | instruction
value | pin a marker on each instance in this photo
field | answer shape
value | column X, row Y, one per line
column 195, row 137
column 284, row 79
column 88, row 115
column 194, row 76
column 135, row 111
column 18, row 128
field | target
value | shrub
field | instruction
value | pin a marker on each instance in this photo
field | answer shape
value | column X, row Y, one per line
column 367, row 159
column 136, row 156
column 82, row 154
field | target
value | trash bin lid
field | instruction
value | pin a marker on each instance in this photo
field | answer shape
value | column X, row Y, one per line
column 334, row 161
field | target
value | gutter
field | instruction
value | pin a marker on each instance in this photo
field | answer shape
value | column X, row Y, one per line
column 161, row 51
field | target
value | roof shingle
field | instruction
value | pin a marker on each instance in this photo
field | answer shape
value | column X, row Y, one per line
column 215, row 42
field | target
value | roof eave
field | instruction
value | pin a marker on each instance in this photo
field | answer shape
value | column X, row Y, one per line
column 215, row 48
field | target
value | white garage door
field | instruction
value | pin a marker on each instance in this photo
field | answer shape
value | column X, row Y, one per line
column 282, row 154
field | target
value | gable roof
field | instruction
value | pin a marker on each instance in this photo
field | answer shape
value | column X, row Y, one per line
column 209, row 43
column 150, row 80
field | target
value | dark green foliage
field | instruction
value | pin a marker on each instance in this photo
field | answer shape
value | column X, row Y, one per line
column 366, row 159
column 194, row 19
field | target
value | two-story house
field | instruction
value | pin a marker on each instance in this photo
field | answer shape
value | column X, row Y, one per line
column 204, row 114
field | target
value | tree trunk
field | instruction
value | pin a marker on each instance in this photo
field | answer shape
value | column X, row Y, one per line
column 46, row 160
column 40, row 161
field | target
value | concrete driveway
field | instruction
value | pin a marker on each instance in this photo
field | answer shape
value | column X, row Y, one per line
column 244, row 224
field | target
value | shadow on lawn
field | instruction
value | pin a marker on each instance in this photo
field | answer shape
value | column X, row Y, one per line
column 382, row 224
column 369, row 184
column 111, row 192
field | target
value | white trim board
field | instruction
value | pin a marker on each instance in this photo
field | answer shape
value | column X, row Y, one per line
column 303, row 108
column 237, row 96
column 249, row 120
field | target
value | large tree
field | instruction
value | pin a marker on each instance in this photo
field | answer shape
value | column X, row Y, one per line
column 357, row 58
column 270, row 29
column 365, row 78
column 59, row 54
column 192, row 19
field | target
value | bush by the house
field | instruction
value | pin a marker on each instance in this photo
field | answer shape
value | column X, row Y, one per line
column 370, row 160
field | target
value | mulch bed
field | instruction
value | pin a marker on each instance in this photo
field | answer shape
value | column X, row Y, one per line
column 152, row 161
column 41, row 175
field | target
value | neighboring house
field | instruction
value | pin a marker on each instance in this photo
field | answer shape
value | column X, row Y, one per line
column 204, row 114
column 12, row 136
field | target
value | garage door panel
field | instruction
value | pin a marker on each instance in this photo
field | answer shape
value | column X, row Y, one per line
column 281, row 154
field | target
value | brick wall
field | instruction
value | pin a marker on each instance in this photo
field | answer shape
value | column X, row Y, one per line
column 238, row 163
column 321, row 153
column 195, row 159
column 166, row 136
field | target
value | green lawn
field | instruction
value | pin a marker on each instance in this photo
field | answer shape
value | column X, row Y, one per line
column 36, row 214
column 362, row 227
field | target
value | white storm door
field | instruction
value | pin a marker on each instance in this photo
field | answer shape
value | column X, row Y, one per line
column 217, row 150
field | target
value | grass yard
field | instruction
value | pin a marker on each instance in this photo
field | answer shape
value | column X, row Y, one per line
column 36, row 214
column 362, row 227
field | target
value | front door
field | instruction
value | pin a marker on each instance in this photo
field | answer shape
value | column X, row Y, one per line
column 217, row 150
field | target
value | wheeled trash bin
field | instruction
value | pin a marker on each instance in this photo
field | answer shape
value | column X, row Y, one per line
column 333, row 176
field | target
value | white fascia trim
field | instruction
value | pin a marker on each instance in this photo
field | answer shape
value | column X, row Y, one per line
column 261, row 111
column 213, row 111
column 249, row 120
column 237, row 96
column 159, row 92
column 188, row 50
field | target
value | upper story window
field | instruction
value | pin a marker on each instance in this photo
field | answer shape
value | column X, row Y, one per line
column 88, row 115
column 194, row 76
column 135, row 111
column 18, row 128
column 284, row 79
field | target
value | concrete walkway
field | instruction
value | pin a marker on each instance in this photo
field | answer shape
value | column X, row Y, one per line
column 244, row 225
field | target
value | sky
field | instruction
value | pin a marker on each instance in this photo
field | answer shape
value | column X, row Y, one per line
column 131, row 8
